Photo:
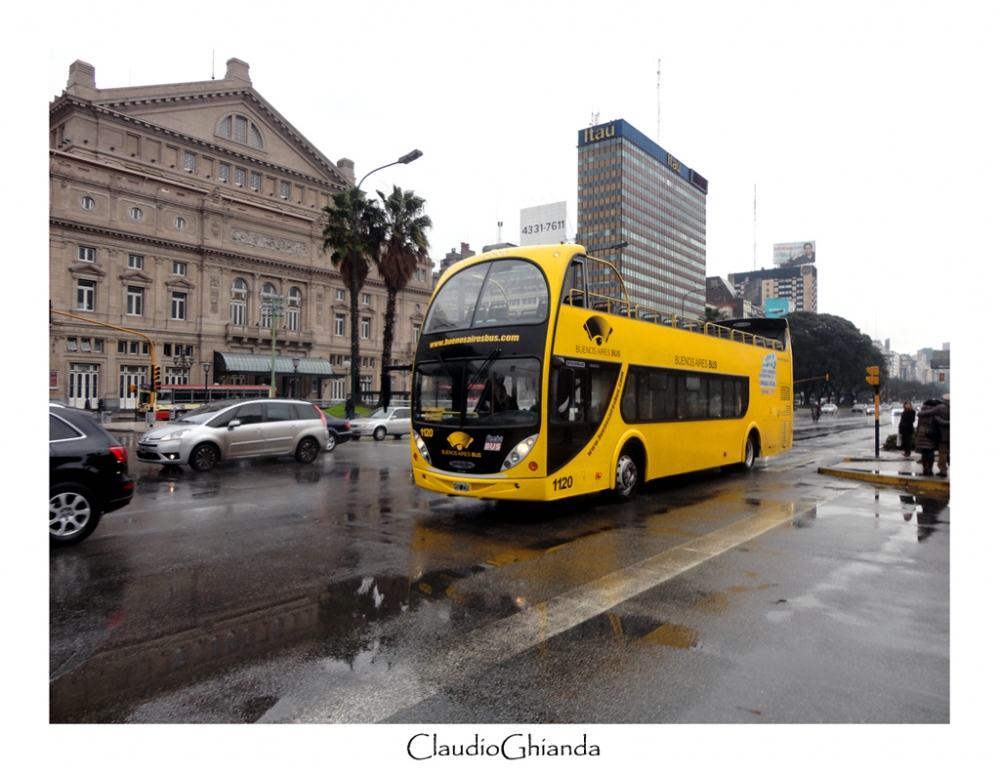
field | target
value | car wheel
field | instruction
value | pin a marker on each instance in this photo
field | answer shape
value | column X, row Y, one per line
column 72, row 514
column 379, row 434
column 307, row 451
column 204, row 457
column 626, row 477
column 331, row 444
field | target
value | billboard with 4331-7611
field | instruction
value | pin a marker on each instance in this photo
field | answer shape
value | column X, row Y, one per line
column 543, row 225
column 794, row 253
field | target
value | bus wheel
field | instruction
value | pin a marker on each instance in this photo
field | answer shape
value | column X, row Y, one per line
column 749, row 455
column 626, row 477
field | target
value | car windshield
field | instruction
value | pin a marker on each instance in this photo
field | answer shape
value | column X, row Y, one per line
column 378, row 414
column 204, row 413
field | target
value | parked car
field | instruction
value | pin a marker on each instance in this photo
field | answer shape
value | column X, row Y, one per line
column 828, row 408
column 88, row 475
column 859, row 408
column 394, row 421
column 235, row 429
column 339, row 432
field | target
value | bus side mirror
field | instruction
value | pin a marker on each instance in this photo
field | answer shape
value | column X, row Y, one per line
column 565, row 386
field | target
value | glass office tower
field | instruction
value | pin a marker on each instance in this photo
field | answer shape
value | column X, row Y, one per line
column 630, row 189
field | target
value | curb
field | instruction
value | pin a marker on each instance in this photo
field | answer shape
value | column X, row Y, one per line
column 902, row 482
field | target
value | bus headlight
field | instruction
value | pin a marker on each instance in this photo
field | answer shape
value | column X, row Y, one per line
column 520, row 451
column 421, row 447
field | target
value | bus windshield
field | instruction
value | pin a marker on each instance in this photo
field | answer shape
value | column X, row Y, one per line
column 503, row 292
column 478, row 391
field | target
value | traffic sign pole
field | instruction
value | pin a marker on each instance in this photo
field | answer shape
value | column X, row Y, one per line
column 872, row 379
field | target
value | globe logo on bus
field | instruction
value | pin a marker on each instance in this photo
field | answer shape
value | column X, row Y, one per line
column 598, row 330
column 460, row 440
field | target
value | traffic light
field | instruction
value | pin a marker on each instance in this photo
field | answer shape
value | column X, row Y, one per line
column 156, row 377
column 872, row 377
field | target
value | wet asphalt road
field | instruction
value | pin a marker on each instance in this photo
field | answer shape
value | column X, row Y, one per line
column 340, row 593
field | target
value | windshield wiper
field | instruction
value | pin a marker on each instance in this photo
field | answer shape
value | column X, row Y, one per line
column 486, row 364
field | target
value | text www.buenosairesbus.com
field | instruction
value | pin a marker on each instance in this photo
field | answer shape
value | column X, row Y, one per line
column 475, row 340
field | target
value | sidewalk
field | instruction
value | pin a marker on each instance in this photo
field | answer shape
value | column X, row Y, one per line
column 892, row 469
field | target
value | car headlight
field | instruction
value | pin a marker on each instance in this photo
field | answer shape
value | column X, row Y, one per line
column 520, row 451
column 421, row 447
column 175, row 435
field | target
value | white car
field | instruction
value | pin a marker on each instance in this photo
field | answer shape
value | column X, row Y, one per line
column 394, row 421
column 828, row 408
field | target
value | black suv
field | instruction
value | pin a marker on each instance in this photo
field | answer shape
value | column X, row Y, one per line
column 88, row 475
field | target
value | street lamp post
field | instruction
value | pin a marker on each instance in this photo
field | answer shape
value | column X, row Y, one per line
column 207, row 367
column 684, row 299
column 295, row 377
column 413, row 155
column 184, row 362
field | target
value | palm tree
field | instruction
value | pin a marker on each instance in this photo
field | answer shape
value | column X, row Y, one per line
column 353, row 237
column 404, row 247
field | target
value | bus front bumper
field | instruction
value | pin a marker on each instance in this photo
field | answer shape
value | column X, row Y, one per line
column 484, row 488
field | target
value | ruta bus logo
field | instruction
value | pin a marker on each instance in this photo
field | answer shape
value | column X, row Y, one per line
column 460, row 440
column 598, row 330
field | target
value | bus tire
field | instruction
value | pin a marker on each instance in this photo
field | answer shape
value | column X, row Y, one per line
column 204, row 457
column 749, row 454
column 626, row 476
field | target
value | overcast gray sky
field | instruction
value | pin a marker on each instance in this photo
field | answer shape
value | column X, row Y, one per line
column 862, row 126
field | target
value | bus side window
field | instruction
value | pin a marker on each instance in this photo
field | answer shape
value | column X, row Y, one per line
column 573, row 286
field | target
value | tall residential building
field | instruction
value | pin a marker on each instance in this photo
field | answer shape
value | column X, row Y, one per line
column 630, row 189
column 175, row 212
column 798, row 284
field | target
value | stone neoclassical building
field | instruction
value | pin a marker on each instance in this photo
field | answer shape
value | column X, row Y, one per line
column 172, row 209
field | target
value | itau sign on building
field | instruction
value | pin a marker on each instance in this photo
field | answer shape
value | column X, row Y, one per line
column 543, row 225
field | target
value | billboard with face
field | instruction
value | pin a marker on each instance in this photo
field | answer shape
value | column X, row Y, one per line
column 794, row 253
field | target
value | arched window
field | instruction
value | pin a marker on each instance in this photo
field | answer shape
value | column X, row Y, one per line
column 238, row 302
column 241, row 129
column 268, row 302
column 293, row 313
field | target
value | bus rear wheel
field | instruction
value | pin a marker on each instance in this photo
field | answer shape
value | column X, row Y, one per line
column 626, row 477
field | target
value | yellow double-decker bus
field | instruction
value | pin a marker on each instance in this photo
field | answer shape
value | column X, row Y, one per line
column 529, row 385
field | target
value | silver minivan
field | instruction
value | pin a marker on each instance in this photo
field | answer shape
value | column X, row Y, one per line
column 237, row 429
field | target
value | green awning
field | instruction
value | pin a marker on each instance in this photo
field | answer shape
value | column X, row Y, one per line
column 240, row 363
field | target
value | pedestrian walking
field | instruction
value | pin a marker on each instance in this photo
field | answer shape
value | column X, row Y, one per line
column 906, row 429
column 349, row 407
column 940, row 430
column 927, row 436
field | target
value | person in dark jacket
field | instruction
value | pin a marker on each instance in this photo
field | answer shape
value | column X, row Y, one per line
column 940, row 416
column 906, row 420
column 925, row 444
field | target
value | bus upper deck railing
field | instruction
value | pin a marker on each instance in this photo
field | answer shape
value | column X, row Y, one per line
column 616, row 306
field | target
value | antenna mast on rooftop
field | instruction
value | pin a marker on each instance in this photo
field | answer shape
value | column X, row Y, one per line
column 213, row 64
column 657, row 101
